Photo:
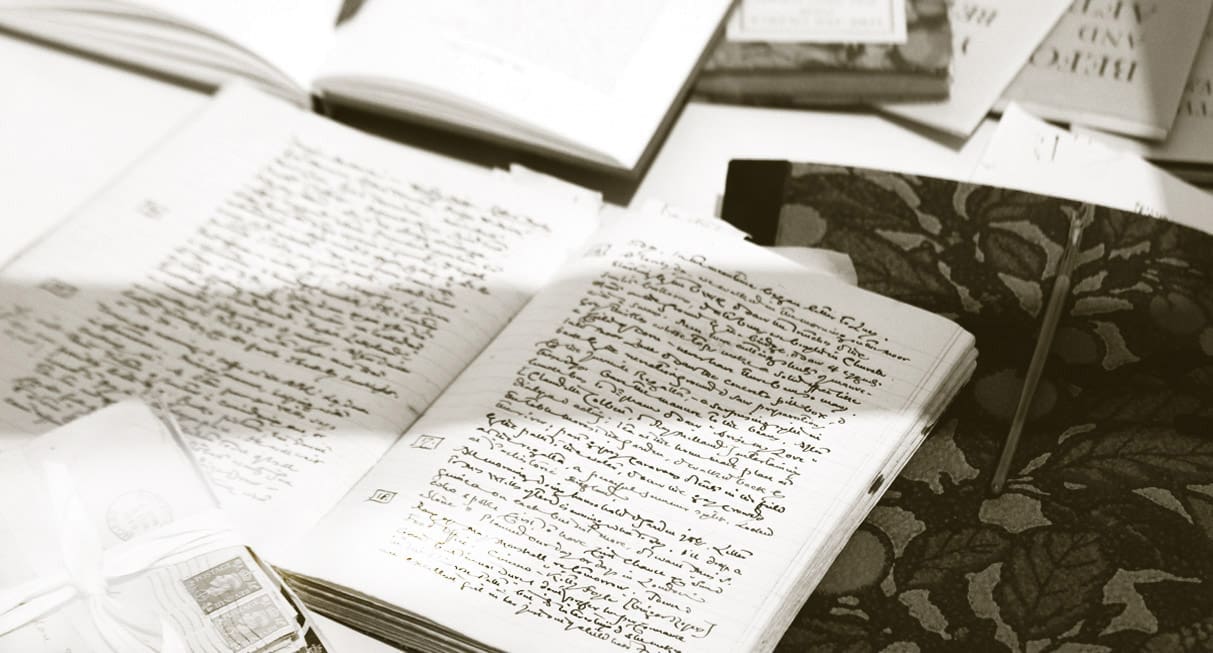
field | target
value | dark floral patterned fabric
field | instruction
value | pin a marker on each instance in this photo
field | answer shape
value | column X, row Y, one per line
column 1103, row 539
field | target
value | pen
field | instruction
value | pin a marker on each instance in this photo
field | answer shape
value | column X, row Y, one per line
column 1044, row 342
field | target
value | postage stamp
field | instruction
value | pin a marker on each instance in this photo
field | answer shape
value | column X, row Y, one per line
column 250, row 622
column 223, row 584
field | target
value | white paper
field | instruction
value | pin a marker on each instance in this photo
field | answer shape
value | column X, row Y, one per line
column 1114, row 65
column 275, row 185
column 74, row 125
column 819, row 21
column 991, row 41
column 1029, row 154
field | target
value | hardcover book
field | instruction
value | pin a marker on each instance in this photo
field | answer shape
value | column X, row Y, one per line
column 810, row 74
column 591, row 81
column 1103, row 537
column 460, row 413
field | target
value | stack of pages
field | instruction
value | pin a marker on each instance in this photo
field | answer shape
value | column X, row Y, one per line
column 460, row 413
column 592, row 81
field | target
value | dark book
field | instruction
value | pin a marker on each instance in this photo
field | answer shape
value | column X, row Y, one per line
column 811, row 74
column 1103, row 539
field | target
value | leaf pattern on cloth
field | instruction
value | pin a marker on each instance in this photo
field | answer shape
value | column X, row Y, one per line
column 1103, row 540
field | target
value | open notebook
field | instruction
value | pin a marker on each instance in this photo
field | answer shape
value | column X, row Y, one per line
column 590, row 80
column 460, row 414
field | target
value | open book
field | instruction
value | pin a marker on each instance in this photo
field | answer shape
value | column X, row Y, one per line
column 591, row 80
column 461, row 413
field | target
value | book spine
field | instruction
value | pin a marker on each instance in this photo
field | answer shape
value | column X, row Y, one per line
column 753, row 197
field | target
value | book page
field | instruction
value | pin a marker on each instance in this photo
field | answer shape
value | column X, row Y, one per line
column 295, row 292
column 44, row 132
column 648, row 457
column 1114, row 65
column 600, row 74
column 991, row 40
column 1029, row 154
column 1191, row 137
column 819, row 21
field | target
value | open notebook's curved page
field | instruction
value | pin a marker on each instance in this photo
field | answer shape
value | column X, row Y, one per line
column 660, row 452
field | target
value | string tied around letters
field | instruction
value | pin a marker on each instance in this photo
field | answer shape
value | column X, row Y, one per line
column 88, row 571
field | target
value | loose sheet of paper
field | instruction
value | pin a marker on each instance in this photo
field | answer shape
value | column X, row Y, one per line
column 297, row 293
column 819, row 21
column 1029, row 154
column 648, row 457
column 991, row 40
column 1114, row 65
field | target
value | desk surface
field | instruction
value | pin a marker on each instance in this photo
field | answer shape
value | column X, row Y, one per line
column 69, row 124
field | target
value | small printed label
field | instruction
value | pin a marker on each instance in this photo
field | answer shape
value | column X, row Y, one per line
column 382, row 496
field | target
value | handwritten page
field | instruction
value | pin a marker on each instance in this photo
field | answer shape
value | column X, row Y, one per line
column 1114, row 65
column 1030, row 154
column 819, row 21
column 1191, row 137
column 648, row 458
column 295, row 292
column 991, row 40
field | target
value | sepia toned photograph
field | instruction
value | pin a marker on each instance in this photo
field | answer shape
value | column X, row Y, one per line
column 653, row 326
